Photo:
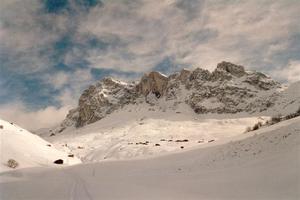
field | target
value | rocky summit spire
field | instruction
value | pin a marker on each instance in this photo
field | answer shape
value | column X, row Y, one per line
column 235, row 70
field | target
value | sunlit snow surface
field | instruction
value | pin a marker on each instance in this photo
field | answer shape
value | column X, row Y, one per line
column 27, row 149
column 263, row 164
column 135, row 131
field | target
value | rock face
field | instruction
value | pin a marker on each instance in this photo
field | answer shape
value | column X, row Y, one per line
column 154, row 82
column 101, row 99
column 228, row 89
column 235, row 70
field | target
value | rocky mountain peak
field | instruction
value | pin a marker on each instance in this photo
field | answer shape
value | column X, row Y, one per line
column 184, row 75
column 111, row 82
column 228, row 89
column 200, row 75
column 235, row 70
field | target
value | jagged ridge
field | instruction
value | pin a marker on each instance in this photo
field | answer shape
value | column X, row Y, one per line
column 228, row 89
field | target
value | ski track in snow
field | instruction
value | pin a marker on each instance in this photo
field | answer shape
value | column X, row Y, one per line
column 79, row 190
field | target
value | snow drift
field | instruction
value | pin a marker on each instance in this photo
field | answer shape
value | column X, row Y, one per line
column 27, row 149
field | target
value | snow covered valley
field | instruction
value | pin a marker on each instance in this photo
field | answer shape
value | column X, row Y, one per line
column 140, row 133
column 262, row 164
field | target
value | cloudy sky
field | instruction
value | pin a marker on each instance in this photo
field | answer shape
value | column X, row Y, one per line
column 50, row 50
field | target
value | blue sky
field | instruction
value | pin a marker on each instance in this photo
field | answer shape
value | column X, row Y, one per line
column 50, row 50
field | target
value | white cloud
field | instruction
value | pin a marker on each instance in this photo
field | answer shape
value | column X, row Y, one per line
column 58, row 80
column 27, row 34
column 33, row 120
column 218, row 30
column 291, row 72
column 69, row 85
column 49, row 116
column 68, row 97
column 141, row 33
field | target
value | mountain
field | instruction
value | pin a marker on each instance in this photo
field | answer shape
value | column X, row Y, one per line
column 27, row 149
column 159, row 114
column 228, row 89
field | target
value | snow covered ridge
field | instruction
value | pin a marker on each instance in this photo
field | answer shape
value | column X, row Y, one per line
column 228, row 89
column 20, row 149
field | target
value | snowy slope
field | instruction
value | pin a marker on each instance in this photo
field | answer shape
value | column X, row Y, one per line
column 288, row 100
column 258, row 165
column 27, row 149
column 136, row 131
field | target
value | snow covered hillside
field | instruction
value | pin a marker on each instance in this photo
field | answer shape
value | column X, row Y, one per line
column 288, row 100
column 262, row 164
column 135, row 131
column 27, row 149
